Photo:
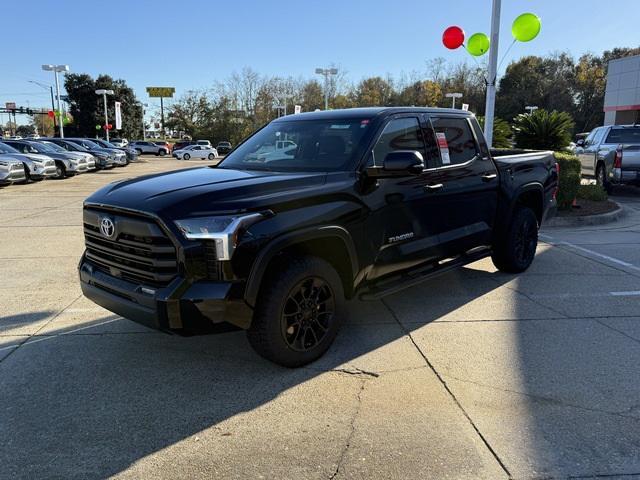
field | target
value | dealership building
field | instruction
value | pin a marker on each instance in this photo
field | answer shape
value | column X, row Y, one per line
column 622, row 97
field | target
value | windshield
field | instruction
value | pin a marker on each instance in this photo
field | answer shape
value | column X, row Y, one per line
column 304, row 145
column 4, row 148
column 54, row 147
column 41, row 147
column 104, row 143
column 89, row 144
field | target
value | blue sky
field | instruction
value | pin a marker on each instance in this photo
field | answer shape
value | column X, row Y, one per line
column 192, row 43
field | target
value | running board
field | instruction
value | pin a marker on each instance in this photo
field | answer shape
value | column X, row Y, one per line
column 398, row 283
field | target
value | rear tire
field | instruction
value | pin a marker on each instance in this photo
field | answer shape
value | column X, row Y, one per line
column 298, row 312
column 515, row 252
column 601, row 178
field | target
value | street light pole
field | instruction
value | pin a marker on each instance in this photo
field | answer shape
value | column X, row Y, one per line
column 531, row 108
column 55, row 69
column 489, row 110
column 326, row 72
column 453, row 96
column 104, row 94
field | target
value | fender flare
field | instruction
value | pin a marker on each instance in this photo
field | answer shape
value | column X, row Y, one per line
column 528, row 187
column 279, row 243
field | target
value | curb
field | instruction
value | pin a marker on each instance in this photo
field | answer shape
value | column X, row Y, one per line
column 588, row 220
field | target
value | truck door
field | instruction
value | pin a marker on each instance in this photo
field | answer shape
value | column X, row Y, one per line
column 587, row 153
column 467, row 202
column 402, row 226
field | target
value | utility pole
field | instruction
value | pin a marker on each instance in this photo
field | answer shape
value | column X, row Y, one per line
column 493, row 72
column 326, row 72
column 53, row 105
column 56, row 69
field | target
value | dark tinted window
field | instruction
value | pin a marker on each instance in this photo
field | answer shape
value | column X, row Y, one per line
column 624, row 135
column 459, row 140
column 399, row 134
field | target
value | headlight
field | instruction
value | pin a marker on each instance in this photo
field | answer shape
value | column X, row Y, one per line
column 223, row 231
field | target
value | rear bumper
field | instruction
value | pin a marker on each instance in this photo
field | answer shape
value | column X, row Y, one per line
column 180, row 307
column 625, row 177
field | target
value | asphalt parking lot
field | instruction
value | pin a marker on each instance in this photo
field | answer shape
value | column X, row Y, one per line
column 476, row 374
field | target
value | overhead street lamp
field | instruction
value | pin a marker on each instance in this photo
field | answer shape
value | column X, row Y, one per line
column 531, row 108
column 104, row 94
column 453, row 96
column 326, row 72
column 57, row 69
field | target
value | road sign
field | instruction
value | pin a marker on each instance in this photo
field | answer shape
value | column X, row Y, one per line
column 166, row 92
column 10, row 105
column 465, row 107
column 297, row 109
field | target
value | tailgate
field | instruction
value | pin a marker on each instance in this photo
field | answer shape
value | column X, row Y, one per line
column 631, row 157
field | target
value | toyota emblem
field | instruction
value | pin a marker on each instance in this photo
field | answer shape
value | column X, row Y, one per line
column 107, row 228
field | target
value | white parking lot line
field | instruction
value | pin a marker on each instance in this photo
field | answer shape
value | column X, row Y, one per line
column 608, row 258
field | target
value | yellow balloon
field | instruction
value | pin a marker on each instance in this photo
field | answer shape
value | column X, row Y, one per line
column 526, row 27
column 478, row 44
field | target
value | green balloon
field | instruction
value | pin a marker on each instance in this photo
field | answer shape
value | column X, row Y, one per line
column 478, row 44
column 98, row 127
column 526, row 27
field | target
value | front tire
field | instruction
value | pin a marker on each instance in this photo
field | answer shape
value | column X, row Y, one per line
column 162, row 153
column 298, row 312
column 61, row 171
column 212, row 156
column 186, row 156
column 515, row 252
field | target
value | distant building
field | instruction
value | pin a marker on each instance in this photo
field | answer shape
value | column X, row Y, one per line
column 622, row 96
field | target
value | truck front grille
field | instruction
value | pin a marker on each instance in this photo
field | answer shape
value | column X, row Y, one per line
column 137, row 251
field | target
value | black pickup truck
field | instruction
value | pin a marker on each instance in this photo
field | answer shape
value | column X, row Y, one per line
column 309, row 211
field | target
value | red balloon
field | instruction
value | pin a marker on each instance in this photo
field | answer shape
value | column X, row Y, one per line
column 453, row 37
column 50, row 114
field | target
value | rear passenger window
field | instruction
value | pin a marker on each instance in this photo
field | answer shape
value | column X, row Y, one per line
column 459, row 139
column 399, row 134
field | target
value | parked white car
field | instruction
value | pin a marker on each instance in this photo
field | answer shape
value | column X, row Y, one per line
column 119, row 142
column 196, row 151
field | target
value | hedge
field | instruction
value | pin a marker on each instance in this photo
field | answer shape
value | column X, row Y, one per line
column 569, row 182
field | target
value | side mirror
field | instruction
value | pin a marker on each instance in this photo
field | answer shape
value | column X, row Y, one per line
column 580, row 143
column 399, row 164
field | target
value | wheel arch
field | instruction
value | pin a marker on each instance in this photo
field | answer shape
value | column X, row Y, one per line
column 331, row 243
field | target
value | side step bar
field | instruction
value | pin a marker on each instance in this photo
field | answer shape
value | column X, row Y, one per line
column 398, row 283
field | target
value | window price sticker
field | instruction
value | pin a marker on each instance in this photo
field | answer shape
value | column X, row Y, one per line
column 444, row 148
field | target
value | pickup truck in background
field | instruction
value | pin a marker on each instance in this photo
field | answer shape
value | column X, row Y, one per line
column 611, row 154
column 366, row 202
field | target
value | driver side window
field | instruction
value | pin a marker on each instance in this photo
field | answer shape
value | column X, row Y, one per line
column 398, row 134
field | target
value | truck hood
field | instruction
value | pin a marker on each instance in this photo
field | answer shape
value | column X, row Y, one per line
column 206, row 190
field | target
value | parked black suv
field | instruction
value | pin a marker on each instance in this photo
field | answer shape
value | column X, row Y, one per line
column 311, row 210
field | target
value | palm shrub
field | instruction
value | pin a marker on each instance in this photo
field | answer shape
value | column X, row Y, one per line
column 543, row 130
column 569, row 181
column 502, row 133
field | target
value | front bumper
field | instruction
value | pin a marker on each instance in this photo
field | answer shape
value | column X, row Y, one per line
column 180, row 307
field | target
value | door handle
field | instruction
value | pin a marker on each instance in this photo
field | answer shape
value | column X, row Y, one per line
column 434, row 187
column 487, row 177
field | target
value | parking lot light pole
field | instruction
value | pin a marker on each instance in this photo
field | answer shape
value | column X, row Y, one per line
column 326, row 72
column 56, row 69
column 531, row 108
column 104, row 94
column 453, row 96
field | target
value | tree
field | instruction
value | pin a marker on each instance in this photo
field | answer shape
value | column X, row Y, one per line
column 87, row 108
column 374, row 92
column 543, row 130
column 312, row 96
column 420, row 94
column 544, row 82
column 43, row 124
column 187, row 112
column 24, row 130
column 502, row 133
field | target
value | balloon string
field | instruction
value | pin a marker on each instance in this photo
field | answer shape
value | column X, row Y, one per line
column 504, row 56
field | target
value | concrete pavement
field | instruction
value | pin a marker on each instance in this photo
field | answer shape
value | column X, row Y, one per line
column 476, row 374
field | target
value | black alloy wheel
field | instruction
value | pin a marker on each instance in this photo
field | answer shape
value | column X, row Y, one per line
column 307, row 314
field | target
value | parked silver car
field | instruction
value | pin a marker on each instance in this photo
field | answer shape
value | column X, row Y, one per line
column 611, row 154
column 149, row 147
column 67, row 164
column 86, row 156
column 11, row 170
column 37, row 166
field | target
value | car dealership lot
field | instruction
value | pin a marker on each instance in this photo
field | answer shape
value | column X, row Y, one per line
column 476, row 374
